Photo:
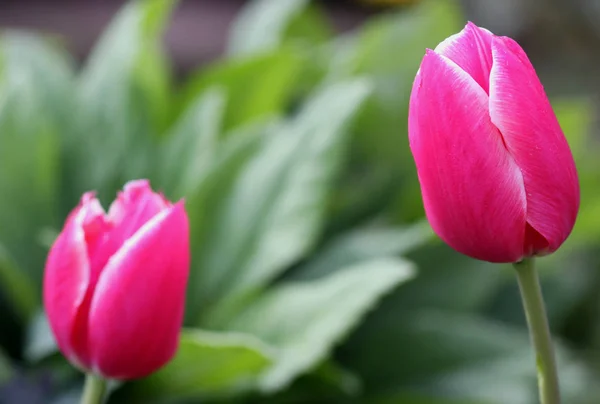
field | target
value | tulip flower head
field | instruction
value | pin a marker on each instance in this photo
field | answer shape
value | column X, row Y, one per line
column 497, row 176
column 114, row 284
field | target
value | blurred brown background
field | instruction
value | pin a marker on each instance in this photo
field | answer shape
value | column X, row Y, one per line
column 546, row 28
column 196, row 35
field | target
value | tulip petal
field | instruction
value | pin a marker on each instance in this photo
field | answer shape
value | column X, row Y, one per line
column 138, row 203
column 521, row 111
column 66, row 281
column 137, row 307
column 471, row 49
column 472, row 189
column 133, row 208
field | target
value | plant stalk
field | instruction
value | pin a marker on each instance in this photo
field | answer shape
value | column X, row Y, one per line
column 537, row 320
column 94, row 390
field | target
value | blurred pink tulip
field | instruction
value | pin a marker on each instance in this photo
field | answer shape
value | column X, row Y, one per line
column 497, row 176
column 114, row 285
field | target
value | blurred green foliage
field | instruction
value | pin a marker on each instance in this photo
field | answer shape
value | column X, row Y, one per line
column 315, row 277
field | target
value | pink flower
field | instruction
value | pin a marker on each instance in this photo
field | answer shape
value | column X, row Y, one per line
column 498, row 179
column 114, row 285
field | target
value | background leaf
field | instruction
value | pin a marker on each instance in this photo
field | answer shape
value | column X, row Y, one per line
column 388, row 48
column 18, row 288
column 123, row 99
column 190, row 148
column 264, row 226
column 40, row 342
column 305, row 319
column 256, row 87
column 35, row 94
column 207, row 364
column 262, row 24
column 362, row 245
column 206, row 197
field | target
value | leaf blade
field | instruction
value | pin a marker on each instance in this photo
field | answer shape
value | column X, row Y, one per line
column 304, row 320
column 207, row 364
column 273, row 213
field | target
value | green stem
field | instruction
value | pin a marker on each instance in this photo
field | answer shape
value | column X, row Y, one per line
column 94, row 389
column 537, row 320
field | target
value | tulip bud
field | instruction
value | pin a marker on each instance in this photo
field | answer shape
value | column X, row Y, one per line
column 114, row 285
column 497, row 177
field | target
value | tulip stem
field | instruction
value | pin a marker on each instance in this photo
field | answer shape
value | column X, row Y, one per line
column 94, row 389
column 533, row 303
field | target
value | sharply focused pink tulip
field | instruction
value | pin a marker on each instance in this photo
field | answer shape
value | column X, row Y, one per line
column 114, row 285
column 497, row 176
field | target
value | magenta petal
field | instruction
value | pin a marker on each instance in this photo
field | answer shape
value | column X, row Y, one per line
column 133, row 208
column 472, row 189
column 134, row 194
column 137, row 308
column 136, row 204
column 521, row 111
column 66, row 280
column 471, row 49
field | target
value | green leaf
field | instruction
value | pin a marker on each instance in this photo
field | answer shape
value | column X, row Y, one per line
column 40, row 342
column 18, row 288
column 362, row 245
column 36, row 69
column 305, row 320
column 191, row 146
column 266, row 26
column 206, row 195
column 408, row 34
column 445, row 357
column 432, row 350
column 6, row 369
column 35, row 105
column 308, row 29
column 207, row 364
column 388, row 49
column 448, row 280
column 327, row 383
column 562, row 294
column 406, row 397
column 337, row 377
column 272, row 215
column 262, row 24
column 123, row 98
column 256, row 87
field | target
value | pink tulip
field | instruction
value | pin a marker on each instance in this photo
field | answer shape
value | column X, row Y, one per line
column 498, row 179
column 114, row 286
